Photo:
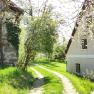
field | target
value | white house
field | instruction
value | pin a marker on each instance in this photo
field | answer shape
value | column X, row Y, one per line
column 80, row 48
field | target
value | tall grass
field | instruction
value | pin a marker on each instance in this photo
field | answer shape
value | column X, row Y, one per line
column 13, row 81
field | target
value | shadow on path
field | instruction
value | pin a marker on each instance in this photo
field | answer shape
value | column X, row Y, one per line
column 38, row 82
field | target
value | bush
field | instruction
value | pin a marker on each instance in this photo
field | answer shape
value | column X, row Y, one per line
column 59, row 52
column 13, row 31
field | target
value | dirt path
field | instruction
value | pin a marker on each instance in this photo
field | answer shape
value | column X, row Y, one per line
column 68, row 87
column 37, row 86
column 92, row 93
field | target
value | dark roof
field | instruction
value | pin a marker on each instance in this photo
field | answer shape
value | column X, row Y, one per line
column 70, row 41
column 75, row 28
column 15, row 8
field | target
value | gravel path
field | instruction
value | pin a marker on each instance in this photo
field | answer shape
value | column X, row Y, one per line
column 68, row 87
column 37, row 86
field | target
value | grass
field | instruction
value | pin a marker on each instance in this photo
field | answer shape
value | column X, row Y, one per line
column 52, row 83
column 82, row 85
column 13, row 81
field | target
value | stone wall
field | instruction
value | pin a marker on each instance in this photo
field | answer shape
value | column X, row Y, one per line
column 9, row 52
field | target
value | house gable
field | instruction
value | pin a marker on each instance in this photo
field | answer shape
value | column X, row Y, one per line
column 75, row 40
column 80, row 49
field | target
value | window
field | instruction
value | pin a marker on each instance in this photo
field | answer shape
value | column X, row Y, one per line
column 84, row 43
column 78, row 68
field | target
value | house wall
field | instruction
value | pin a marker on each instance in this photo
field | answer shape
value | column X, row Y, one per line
column 2, row 5
column 9, row 52
column 85, row 57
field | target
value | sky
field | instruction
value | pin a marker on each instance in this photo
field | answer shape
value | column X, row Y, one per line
column 68, row 9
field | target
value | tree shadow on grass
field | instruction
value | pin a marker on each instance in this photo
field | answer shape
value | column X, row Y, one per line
column 47, row 80
column 20, row 79
column 47, row 63
column 3, row 66
column 38, row 82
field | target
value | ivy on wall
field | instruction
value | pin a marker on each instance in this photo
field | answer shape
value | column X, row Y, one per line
column 13, row 31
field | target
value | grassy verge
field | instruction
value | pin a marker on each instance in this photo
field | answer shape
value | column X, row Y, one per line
column 13, row 81
column 82, row 85
column 52, row 83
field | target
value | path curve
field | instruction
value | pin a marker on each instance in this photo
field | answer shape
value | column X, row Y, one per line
column 37, row 85
column 68, row 87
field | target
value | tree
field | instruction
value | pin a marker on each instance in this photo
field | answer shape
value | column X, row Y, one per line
column 41, row 35
column 59, row 52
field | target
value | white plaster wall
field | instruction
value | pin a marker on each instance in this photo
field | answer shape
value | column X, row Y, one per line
column 85, row 57
column 85, row 63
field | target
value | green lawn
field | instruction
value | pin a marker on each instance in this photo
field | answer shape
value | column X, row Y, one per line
column 52, row 83
column 82, row 85
column 13, row 81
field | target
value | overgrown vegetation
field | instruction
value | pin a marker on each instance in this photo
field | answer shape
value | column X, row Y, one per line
column 13, row 31
column 13, row 81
